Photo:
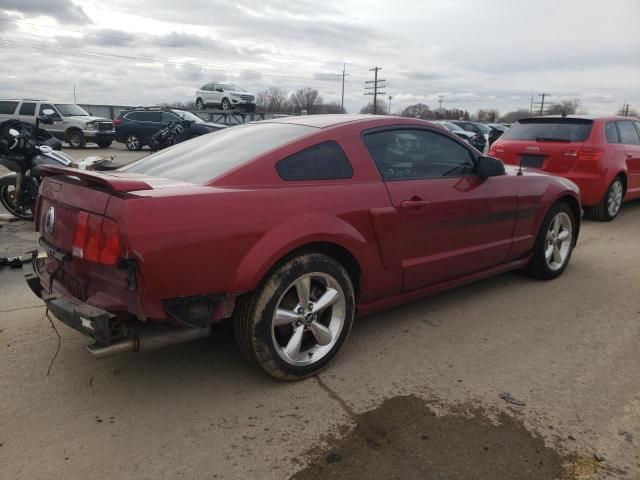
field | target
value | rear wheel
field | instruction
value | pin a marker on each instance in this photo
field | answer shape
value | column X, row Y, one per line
column 609, row 206
column 226, row 104
column 554, row 244
column 133, row 142
column 76, row 139
column 200, row 104
column 24, row 210
column 298, row 318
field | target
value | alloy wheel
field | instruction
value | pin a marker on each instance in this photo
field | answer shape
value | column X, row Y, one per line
column 614, row 199
column 308, row 319
column 558, row 241
column 132, row 142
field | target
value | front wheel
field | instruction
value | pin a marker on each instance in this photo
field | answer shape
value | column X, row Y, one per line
column 200, row 104
column 609, row 206
column 298, row 318
column 24, row 210
column 554, row 244
column 226, row 104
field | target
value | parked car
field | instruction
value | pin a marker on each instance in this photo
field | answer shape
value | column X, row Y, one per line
column 475, row 139
column 288, row 227
column 475, row 127
column 226, row 96
column 600, row 154
column 72, row 123
column 135, row 127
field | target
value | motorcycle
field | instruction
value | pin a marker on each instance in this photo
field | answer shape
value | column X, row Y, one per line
column 23, row 149
column 167, row 137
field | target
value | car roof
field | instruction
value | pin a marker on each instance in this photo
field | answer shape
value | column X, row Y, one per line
column 584, row 117
column 330, row 120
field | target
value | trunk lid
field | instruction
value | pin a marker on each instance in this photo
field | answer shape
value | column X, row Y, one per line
column 551, row 144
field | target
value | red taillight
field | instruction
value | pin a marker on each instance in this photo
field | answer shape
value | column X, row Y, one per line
column 117, row 122
column 96, row 238
column 585, row 153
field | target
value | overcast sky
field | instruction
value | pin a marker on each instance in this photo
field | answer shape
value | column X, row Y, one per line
column 476, row 53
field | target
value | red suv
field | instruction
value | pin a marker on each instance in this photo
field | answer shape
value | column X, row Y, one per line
column 600, row 154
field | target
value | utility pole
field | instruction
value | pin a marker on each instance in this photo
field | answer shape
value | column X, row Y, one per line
column 440, row 100
column 375, row 84
column 74, row 93
column 390, row 98
column 344, row 74
column 531, row 107
column 543, row 95
column 625, row 110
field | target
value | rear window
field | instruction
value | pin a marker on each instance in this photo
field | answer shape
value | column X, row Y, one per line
column 8, row 108
column 550, row 130
column 207, row 157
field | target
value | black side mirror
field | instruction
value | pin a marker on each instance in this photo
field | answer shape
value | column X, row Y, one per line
column 489, row 167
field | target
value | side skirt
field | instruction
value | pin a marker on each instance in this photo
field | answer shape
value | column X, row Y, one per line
column 405, row 297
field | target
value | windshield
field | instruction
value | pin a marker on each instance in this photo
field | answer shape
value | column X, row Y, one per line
column 230, row 87
column 71, row 110
column 207, row 157
column 188, row 116
column 452, row 127
column 483, row 128
column 550, row 130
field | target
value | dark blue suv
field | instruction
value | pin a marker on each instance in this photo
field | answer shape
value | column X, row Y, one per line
column 135, row 127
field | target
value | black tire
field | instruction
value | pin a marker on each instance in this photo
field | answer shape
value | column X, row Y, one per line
column 539, row 266
column 226, row 104
column 200, row 105
column 104, row 143
column 23, row 212
column 601, row 211
column 76, row 139
column 254, row 315
column 133, row 141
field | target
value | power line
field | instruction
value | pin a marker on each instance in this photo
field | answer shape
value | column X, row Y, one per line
column 375, row 84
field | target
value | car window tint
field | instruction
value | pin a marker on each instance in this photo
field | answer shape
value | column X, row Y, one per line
column 418, row 154
column 169, row 117
column 550, row 129
column 207, row 157
column 152, row 116
column 27, row 109
column 628, row 133
column 133, row 116
column 611, row 132
column 325, row 161
column 8, row 108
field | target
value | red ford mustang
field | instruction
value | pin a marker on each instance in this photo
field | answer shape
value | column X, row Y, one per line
column 288, row 227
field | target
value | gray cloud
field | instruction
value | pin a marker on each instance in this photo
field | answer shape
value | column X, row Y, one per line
column 64, row 11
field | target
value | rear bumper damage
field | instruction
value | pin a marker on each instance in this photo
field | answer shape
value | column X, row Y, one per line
column 112, row 335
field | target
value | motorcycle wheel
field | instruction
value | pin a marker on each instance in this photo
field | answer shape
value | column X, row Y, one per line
column 23, row 211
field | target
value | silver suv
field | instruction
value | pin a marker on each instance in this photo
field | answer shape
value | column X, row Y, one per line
column 226, row 96
column 72, row 124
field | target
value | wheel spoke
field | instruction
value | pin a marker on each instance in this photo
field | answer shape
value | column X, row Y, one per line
column 548, row 253
column 303, row 288
column 563, row 235
column 293, row 346
column 556, row 226
column 322, row 334
column 328, row 298
column 557, row 255
column 284, row 317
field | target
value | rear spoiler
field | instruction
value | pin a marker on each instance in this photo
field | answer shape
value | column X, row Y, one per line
column 114, row 181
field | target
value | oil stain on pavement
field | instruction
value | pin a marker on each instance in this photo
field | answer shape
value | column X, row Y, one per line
column 405, row 439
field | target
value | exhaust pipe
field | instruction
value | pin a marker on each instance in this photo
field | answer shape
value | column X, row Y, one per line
column 144, row 341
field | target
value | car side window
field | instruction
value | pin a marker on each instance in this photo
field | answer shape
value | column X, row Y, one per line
column 628, row 133
column 27, row 109
column 134, row 116
column 418, row 155
column 8, row 108
column 611, row 132
column 169, row 117
column 152, row 117
column 324, row 161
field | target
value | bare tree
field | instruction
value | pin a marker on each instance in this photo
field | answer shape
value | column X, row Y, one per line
column 333, row 107
column 566, row 107
column 381, row 108
column 419, row 110
column 630, row 112
column 489, row 115
column 512, row 117
column 307, row 99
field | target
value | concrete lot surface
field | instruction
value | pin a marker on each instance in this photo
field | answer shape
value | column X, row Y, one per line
column 568, row 348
